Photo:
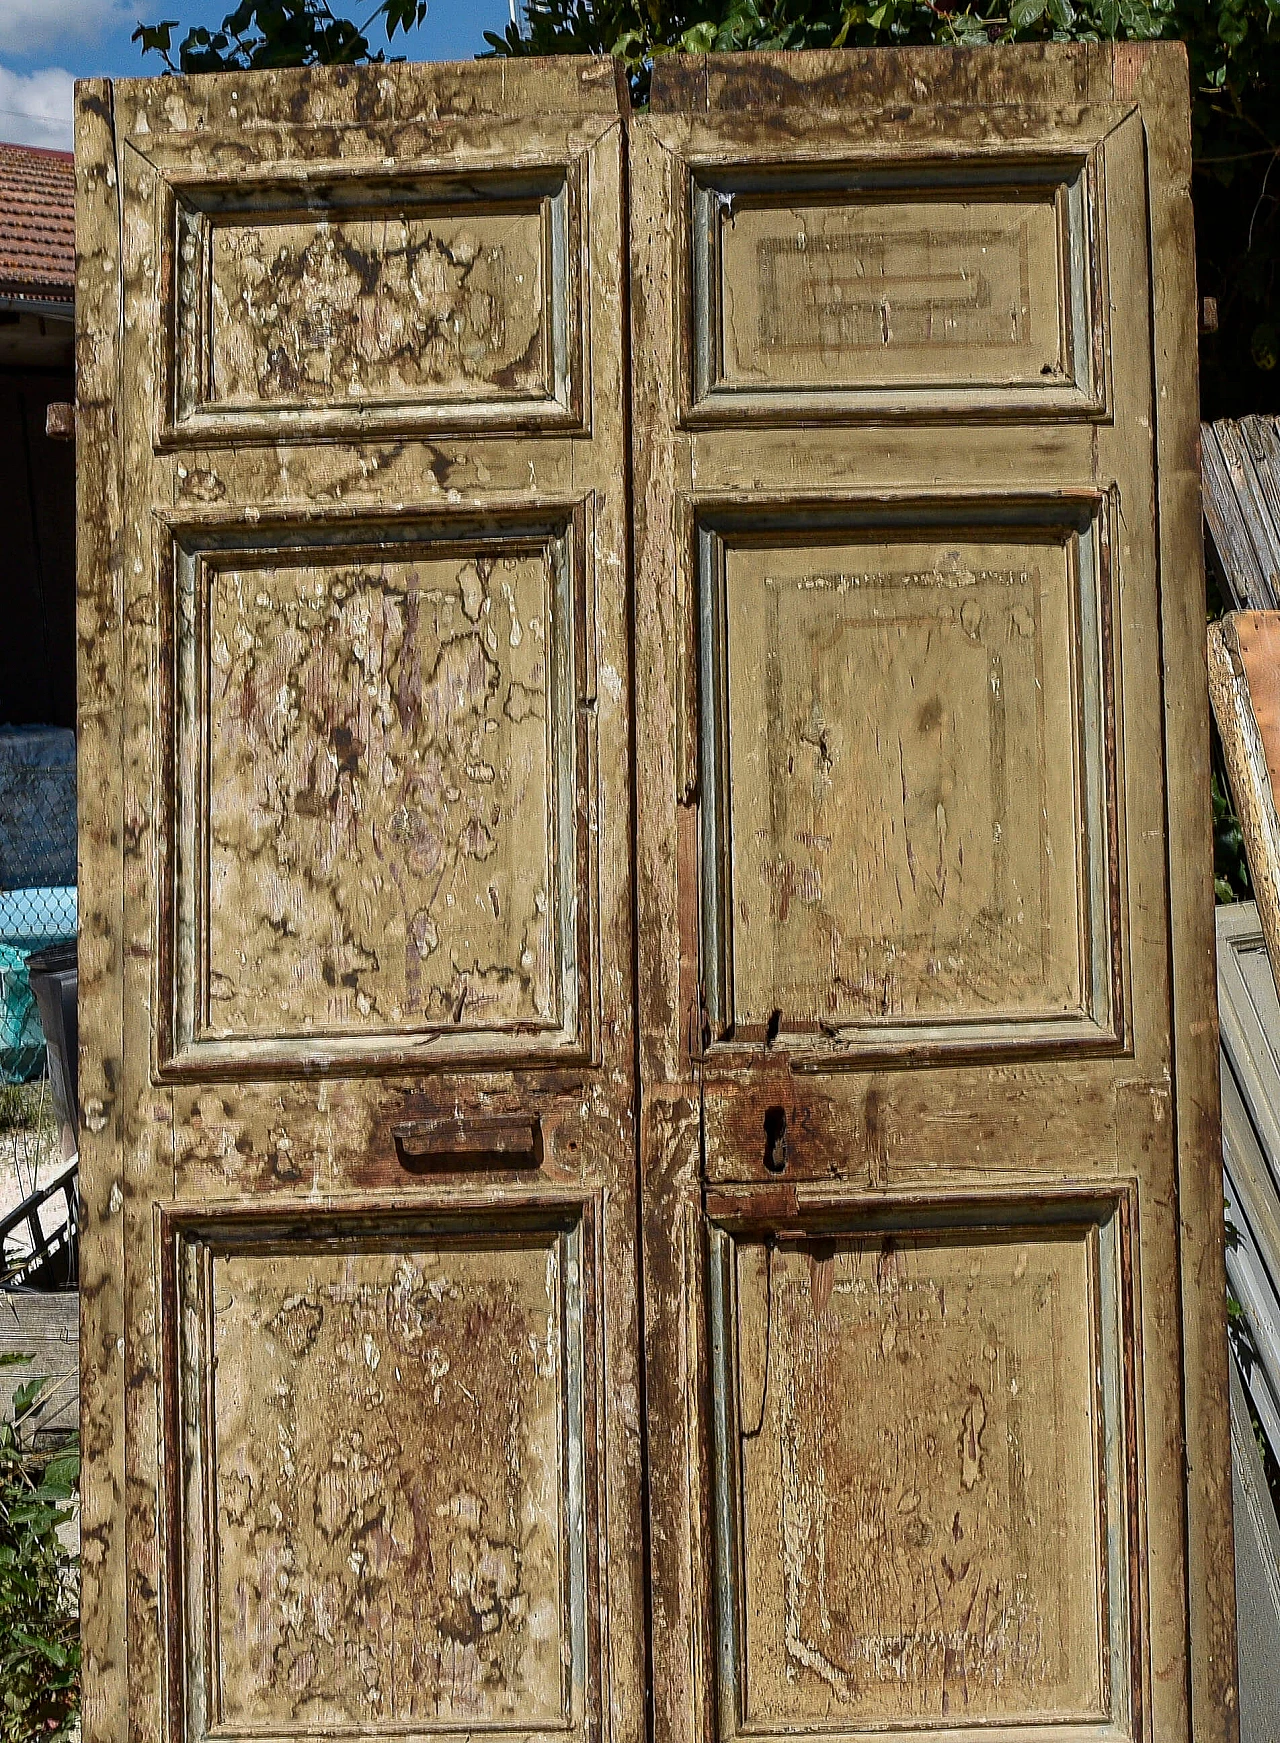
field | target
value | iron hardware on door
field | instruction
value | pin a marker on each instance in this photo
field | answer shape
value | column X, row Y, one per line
column 494, row 1140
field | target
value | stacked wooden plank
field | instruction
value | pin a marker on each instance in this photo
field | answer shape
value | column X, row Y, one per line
column 1240, row 466
column 1249, row 1013
column 1257, row 1544
column 41, row 1328
column 1241, row 474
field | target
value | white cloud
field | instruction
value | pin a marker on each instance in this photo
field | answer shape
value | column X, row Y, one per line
column 35, row 108
column 30, row 27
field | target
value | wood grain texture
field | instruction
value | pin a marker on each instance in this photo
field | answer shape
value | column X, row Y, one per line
column 1249, row 1007
column 1237, row 711
column 803, row 1125
column 892, row 284
column 148, row 1108
column 1257, row 1572
column 373, row 306
column 43, row 1326
column 934, row 1554
column 923, row 952
column 1257, row 644
column 944, row 289
column 387, row 1440
column 390, row 753
column 1240, row 462
column 892, row 663
column 1157, row 78
column 394, row 302
column 1250, row 1018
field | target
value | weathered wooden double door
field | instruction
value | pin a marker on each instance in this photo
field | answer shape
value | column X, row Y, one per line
column 649, row 1089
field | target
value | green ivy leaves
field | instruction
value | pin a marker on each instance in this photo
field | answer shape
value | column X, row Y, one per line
column 39, row 1619
column 1230, row 867
column 277, row 33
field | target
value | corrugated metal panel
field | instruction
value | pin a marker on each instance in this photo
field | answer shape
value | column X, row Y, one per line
column 1249, row 1012
column 1257, row 1579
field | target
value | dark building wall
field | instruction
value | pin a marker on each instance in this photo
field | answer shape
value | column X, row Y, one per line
column 37, row 553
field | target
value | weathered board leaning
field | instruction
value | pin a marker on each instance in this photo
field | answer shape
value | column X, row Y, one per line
column 650, row 1102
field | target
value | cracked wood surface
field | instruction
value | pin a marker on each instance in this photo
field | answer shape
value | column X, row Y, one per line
column 99, row 629
column 364, row 309
column 1243, row 650
column 892, row 289
column 908, row 670
column 954, row 1575
column 381, row 824
column 391, row 1530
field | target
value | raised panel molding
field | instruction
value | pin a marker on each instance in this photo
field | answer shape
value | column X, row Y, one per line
column 383, row 1461
column 957, row 289
column 353, row 306
column 877, row 682
column 379, row 751
column 923, row 1452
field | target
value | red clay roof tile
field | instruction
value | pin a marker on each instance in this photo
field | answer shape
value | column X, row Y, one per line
column 37, row 224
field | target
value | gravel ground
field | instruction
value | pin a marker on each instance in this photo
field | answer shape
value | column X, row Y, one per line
column 30, row 1151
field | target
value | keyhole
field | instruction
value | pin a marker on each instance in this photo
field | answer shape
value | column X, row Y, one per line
column 775, row 1139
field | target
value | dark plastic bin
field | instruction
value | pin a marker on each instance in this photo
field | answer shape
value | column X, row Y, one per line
column 55, row 981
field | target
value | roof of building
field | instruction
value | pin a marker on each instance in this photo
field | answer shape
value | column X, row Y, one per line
column 37, row 224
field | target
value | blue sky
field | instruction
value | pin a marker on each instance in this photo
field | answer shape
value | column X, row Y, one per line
column 46, row 44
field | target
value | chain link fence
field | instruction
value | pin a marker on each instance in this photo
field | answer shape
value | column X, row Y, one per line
column 37, row 878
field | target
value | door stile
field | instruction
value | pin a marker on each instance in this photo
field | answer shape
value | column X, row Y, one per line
column 148, row 1107
column 100, row 812
column 668, row 983
column 1197, row 1103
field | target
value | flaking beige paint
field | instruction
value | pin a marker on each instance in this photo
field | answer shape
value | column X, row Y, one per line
column 913, row 1098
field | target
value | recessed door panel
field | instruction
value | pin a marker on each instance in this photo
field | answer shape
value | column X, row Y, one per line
column 385, row 1439
column 845, row 291
column 380, row 765
column 961, row 669
column 464, row 725
column 427, row 301
column 448, row 305
column 919, row 1473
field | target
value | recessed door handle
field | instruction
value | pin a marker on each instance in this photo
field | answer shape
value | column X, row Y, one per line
column 478, row 1141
